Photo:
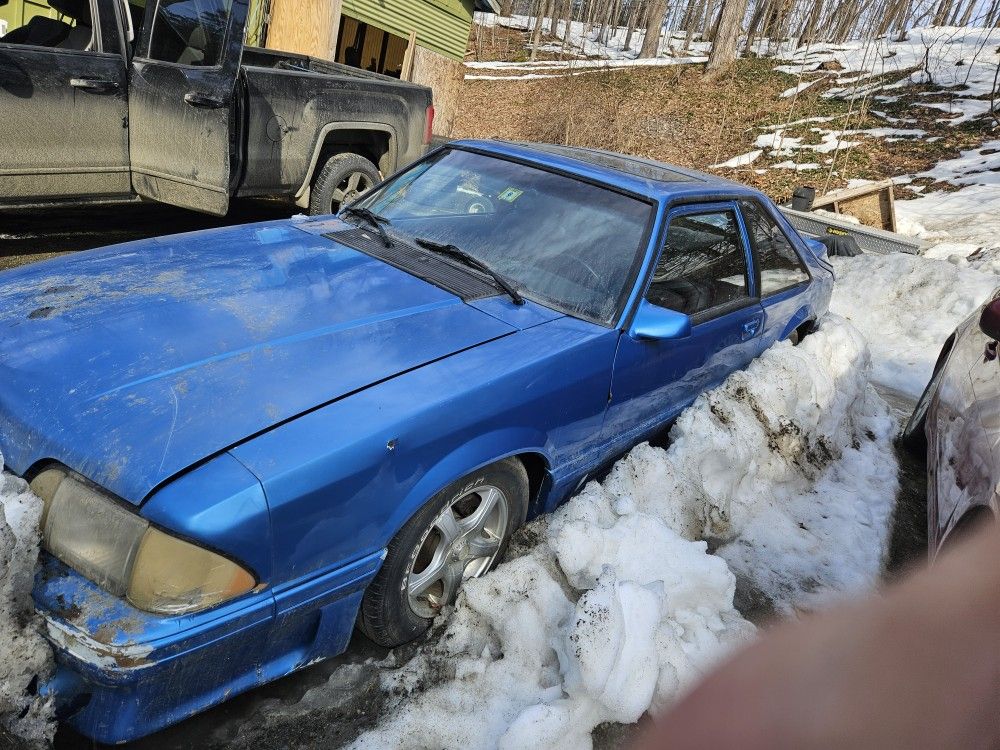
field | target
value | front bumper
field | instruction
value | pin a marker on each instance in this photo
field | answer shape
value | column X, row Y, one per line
column 122, row 673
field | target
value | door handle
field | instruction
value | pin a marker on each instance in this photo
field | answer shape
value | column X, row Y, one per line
column 94, row 85
column 197, row 99
column 750, row 328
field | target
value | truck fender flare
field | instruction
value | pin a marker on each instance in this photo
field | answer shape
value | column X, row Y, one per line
column 303, row 191
column 474, row 454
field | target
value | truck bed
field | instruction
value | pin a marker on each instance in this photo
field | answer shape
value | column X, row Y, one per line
column 269, row 58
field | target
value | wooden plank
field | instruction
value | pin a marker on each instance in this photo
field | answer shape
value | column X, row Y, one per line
column 411, row 45
column 308, row 27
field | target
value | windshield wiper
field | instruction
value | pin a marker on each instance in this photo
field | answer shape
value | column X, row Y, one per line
column 372, row 218
column 458, row 253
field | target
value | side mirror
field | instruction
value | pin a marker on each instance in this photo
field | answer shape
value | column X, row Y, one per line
column 655, row 323
column 989, row 321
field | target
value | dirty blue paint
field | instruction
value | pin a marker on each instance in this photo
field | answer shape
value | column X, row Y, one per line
column 290, row 402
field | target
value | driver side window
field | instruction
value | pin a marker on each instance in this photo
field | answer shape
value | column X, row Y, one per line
column 60, row 24
column 703, row 264
column 189, row 32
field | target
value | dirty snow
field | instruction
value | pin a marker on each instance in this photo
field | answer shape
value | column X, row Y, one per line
column 24, row 655
column 620, row 603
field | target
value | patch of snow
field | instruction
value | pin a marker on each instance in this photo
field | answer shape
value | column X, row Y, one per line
column 800, row 87
column 978, row 166
column 962, row 109
column 739, row 161
column 807, row 167
column 618, row 606
column 839, row 217
column 24, row 655
column 961, row 58
column 562, row 69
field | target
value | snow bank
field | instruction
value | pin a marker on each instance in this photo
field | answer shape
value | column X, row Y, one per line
column 906, row 306
column 24, row 655
column 617, row 605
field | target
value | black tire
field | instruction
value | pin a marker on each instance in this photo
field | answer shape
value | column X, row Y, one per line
column 333, row 186
column 386, row 614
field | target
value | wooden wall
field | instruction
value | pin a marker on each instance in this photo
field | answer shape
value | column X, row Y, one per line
column 308, row 27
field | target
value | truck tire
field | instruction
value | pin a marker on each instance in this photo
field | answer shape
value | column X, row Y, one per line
column 461, row 533
column 343, row 179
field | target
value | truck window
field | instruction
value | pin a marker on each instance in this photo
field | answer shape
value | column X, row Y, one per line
column 60, row 24
column 189, row 32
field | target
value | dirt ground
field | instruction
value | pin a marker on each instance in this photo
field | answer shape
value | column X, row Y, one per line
column 678, row 115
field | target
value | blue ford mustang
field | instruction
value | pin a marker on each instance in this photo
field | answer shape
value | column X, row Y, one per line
column 248, row 440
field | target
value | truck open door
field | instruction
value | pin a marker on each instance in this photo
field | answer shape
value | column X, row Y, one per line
column 181, row 101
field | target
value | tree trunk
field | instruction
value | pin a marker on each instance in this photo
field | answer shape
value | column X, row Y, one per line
column 759, row 11
column 633, row 17
column 567, row 25
column 536, row 36
column 693, row 20
column 727, row 37
column 654, row 26
column 507, row 8
column 808, row 28
column 708, row 27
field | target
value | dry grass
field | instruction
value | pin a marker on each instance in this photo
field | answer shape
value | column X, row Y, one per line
column 677, row 115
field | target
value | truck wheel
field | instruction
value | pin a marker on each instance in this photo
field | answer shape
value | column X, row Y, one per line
column 461, row 533
column 343, row 179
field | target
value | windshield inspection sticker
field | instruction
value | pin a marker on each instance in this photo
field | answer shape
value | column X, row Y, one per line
column 510, row 194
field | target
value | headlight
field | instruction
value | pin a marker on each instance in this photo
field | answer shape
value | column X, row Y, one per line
column 121, row 552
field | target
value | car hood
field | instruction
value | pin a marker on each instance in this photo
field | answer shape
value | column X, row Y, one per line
column 131, row 363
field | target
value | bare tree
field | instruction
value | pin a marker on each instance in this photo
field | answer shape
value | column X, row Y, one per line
column 633, row 18
column 726, row 38
column 536, row 35
column 654, row 26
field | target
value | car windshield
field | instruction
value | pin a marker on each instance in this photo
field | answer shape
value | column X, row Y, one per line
column 563, row 242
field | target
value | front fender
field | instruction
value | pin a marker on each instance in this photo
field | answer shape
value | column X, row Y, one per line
column 219, row 505
column 475, row 454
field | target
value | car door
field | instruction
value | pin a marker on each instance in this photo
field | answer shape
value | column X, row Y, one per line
column 62, row 103
column 782, row 276
column 962, row 465
column 704, row 271
column 181, row 101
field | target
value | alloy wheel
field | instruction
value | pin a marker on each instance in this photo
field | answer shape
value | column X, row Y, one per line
column 352, row 187
column 462, row 542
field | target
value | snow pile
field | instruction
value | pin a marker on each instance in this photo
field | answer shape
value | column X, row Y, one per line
column 907, row 306
column 24, row 655
column 786, row 470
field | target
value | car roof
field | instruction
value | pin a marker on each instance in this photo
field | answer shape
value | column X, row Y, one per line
column 643, row 176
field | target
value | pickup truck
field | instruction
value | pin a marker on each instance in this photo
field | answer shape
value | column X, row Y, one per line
column 117, row 101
